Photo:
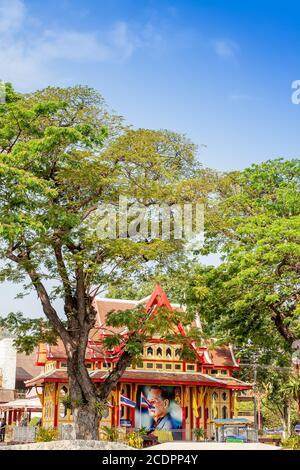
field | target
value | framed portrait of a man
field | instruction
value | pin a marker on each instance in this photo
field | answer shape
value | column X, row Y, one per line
column 164, row 413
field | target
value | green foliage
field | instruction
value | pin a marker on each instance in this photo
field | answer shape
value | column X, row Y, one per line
column 251, row 299
column 292, row 442
column 34, row 421
column 272, row 417
column 135, row 439
column 142, row 325
column 47, row 435
column 275, row 388
column 198, row 433
column 254, row 293
column 30, row 331
column 62, row 156
column 111, row 434
column 246, row 406
column 67, row 402
column 101, row 407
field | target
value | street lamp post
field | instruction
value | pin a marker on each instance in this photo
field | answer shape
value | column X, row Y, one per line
column 254, row 401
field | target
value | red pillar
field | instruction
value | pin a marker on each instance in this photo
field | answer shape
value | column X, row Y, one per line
column 113, row 411
column 118, row 407
column 56, row 400
column 183, row 414
column 183, row 424
column 205, row 415
column 191, row 413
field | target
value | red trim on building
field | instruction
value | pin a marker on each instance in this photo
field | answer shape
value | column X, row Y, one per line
column 56, row 405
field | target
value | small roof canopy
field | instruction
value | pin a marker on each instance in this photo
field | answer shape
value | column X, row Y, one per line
column 32, row 404
column 231, row 421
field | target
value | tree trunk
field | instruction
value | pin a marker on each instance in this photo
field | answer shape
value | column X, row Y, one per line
column 83, row 398
column 86, row 422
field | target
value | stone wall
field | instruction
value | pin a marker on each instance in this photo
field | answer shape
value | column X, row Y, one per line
column 69, row 445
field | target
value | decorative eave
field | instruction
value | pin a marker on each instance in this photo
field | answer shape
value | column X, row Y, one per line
column 146, row 378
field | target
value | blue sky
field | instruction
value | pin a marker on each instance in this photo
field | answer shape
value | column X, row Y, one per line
column 218, row 71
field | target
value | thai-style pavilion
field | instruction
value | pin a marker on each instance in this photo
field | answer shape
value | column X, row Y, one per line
column 199, row 391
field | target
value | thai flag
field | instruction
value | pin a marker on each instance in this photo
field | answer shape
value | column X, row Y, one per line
column 124, row 401
column 145, row 403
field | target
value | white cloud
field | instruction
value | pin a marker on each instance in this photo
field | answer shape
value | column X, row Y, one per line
column 12, row 14
column 28, row 55
column 225, row 48
column 71, row 45
column 122, row 39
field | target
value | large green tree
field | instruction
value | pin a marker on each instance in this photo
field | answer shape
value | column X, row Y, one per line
column 252, row 297
column 254, row 293
column 62, row 155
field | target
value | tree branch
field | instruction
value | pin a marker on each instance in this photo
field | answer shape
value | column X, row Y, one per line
column 48, row 309
column 69, row 300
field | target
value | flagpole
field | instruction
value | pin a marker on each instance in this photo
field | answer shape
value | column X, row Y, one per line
column 140, row 413
column 119, row 423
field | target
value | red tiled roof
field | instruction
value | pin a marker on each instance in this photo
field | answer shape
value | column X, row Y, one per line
column 235, row 383
column 55, row 375
column 58, row 351
column 27, row 363
column 218, row 357
column 104, row 306
column 222, row 357
column 6, row 395
column 146, row 377
column 161, row 377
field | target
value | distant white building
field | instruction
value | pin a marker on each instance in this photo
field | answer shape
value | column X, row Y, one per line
column 15, row 368
column 8, row 363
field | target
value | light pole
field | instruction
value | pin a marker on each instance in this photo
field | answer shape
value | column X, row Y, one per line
column 254, row 401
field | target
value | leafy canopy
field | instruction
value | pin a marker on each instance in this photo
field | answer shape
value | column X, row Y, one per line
column 62, row 156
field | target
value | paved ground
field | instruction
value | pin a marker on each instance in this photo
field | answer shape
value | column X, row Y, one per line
column 98, row 445
column 69, row 445
column 212, row 446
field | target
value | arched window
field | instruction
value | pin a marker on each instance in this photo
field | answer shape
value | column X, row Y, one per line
column 168, row 352
column 224, row 396
column 150, row 352
column 159, row 352
column 177, row 352
column 62, row 407
column 64, row 391
column 215, row 396
column 224, row 412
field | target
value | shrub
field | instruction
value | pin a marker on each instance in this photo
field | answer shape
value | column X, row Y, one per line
column 34, row 421
column 292, row 442
column 198, row 433
column 46, row 435
column 134, row 439
column 111, row 434
column 66, row 401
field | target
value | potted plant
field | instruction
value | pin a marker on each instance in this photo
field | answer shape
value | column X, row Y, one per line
column 198, row 434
